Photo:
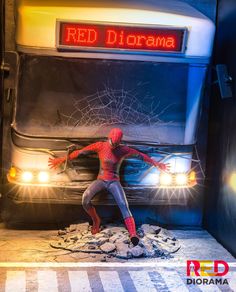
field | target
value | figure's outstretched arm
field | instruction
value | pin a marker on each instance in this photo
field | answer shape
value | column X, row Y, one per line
column 55, row 162
column 146, row 158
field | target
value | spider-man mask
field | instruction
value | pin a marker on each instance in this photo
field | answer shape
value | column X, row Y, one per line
column 115, row 137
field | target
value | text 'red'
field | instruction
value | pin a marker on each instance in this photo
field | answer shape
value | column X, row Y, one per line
column 77, row 35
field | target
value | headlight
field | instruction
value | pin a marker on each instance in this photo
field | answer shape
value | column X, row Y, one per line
column 165, row 179
column 177, row 180
column 27, row 176
column 16, row 175
column 43, row 177
column 181, row 179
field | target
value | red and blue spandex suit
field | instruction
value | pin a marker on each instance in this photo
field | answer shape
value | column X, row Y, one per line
column 111, row 154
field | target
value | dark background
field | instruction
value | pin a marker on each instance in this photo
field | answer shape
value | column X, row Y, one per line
column 220, row 204
column 2, row 27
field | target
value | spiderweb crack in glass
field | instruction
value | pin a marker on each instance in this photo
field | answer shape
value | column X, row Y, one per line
column 115, row 106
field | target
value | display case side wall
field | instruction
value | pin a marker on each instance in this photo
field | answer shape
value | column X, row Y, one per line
column 220, row 193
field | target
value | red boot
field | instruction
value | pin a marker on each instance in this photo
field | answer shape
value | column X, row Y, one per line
column 130, row 225
column 96, row 220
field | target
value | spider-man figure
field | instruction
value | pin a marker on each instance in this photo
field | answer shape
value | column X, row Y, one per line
column 111, row 154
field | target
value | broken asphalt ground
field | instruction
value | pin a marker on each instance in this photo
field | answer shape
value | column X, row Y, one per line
column 34, row 246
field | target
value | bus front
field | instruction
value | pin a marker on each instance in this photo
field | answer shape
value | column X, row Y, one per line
column 85, row 69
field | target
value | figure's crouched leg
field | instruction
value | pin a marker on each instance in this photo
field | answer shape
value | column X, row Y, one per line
column 119, row 195
column 130, row 225
column 88, row 195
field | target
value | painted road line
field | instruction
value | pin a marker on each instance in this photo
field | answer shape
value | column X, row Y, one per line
column 173, row 281
column 47, row 281
column 15, row 281
column 79, row 281
column 144, row 264
column 142, row 281
column 232, row 280
column 111, row 281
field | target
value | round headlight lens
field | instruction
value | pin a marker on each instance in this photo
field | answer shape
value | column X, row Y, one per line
column 166, row 179
column 27, row 176
column 43, row 177
column 181, row 179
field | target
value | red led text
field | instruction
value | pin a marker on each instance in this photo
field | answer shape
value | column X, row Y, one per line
column 122, row 40
column 120, row 37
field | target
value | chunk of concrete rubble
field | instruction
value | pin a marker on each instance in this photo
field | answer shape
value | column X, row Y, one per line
column 153, row 229
column 148, row 250
column 117, row 229
column 78, row 246
column 88, row 237
column 151, row 236
column 101, row 235
column 75, row 237
column 108, row 247
column 119, row 237
column 72, row 227
column 107, row 232
column 136, row 251
column 123, row 251
column 166, row 234
column 82, row 226
column 102, row 240
column 62, row 232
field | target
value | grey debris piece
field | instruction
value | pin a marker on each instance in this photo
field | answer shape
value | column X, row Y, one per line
column 151, row 236
column 107, row 232
column 146, row 228
column 61, row 232
column 123, row 251
column 119, row 237
column 108, row 247
column 166, row 234
column 73, row 227
column 82, row 226
column 117, row 229
column 137, row 251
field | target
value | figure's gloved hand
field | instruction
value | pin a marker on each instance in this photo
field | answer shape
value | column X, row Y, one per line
column 72, row 147
column 163, row 166
column 55, row 162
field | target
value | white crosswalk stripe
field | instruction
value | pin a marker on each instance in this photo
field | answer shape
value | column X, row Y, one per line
column 173, row 281
column 15, row 281
column 111, row 281
column 142, row 281
column 79, row 281
column 47, row 281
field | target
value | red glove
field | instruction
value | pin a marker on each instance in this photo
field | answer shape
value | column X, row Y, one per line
column 55, row 162
column 163, row 166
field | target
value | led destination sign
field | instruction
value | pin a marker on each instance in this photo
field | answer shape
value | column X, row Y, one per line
column 78, row 36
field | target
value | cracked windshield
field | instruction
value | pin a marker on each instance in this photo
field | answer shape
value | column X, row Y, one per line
column 82, row 98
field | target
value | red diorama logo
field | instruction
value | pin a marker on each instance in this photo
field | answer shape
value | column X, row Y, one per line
column 207, row 272
column 196, row 268
column 120, row 37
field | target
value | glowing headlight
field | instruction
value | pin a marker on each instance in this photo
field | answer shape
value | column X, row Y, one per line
column 181, row 179
column 166, row 179
column 27, row 176
column 43, row 177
